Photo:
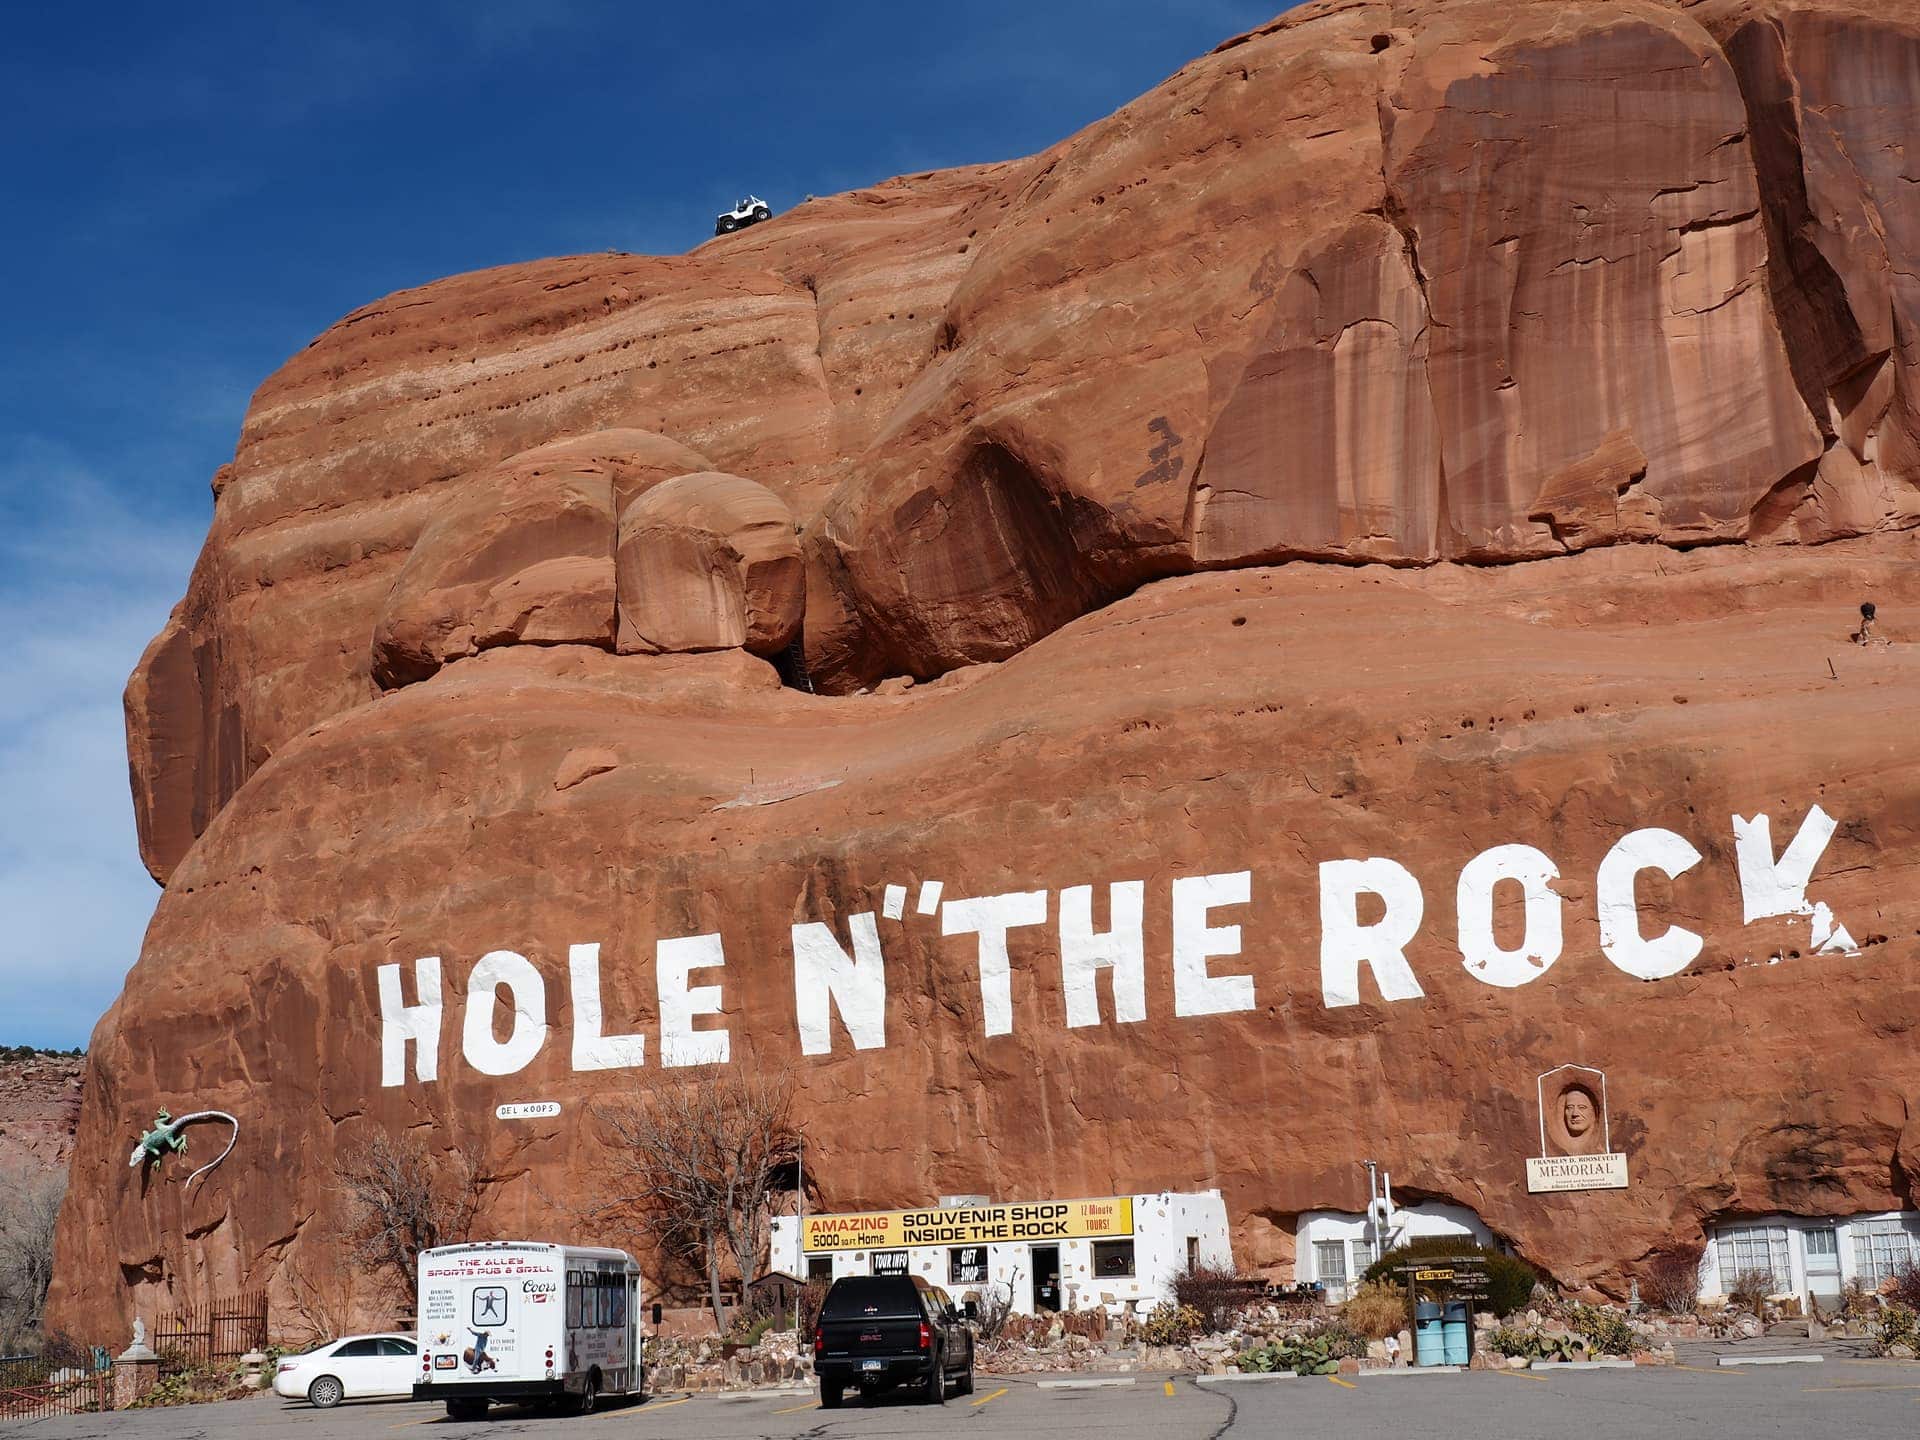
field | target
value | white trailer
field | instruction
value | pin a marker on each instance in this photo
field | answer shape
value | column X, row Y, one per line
column 524, row 1322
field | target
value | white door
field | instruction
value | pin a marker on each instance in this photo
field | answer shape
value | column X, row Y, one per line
column 356, row 1363
column 399, row 1364
column 1823, row 1266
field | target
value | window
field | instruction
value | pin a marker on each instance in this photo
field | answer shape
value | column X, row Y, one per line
column 967, row 1265
column 819, row 1269
column 1330, row 1261
column 357, row 1349
column 1743, row 1248
column 397, row 1347
column 1823, row 1244
column 1193, row 1253
column 889, row 1262
column 1113, row 1259
column 1881, row 1249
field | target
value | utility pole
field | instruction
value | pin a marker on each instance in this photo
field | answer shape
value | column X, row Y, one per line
column 800, row 1235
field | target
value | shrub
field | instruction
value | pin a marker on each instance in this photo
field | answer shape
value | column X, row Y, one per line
column 1316, row 1354
column 1898, row 1326
column 1217, row 1291
column 1672, row 1280
column 1510, row 1280
column 1750, row 1289
column 1510, row 1340
column 1605, row 1331
column 995, row 1304
column 1171, row 1324
column 1378, row 1309
column 1904, row 1288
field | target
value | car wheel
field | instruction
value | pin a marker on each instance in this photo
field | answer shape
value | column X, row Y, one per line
column 936, row 1393
column 729, row 225
column 325, row 1393
column 760, row 212
column 589, row 1393
column 831, row 1395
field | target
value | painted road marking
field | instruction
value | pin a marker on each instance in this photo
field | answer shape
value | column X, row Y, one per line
column 629, row 1411
column 795, row 1409
column 1522, row 1375
column 1696, row 1370
column 985, row 1398
column 409, row 1424
column 1170, row 1389
column 1836, row 1389
column 1347, row 1384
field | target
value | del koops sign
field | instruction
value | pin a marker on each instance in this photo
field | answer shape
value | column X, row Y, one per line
column 844, row 974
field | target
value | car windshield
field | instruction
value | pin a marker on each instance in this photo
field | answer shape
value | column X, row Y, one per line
column 859, row 1297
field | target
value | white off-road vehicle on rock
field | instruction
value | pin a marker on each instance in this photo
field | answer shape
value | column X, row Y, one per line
column 750, row 211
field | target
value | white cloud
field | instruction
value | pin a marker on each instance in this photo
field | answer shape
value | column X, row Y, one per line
column 87, row 579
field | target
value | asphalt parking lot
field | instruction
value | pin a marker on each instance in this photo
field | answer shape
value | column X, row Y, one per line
column 1853, row 1398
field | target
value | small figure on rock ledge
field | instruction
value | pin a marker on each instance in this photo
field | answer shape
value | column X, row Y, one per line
column 1864, row 635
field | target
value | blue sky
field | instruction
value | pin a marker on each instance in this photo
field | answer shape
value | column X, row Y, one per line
column 194, row 191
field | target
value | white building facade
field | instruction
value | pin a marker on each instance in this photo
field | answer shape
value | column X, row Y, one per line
column 1332, row 1248
column 1810, row 1258
column 1116, row 1253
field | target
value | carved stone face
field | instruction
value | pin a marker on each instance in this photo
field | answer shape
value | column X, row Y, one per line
column 1576, row 1110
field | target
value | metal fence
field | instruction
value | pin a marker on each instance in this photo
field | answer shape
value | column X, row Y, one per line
column 31, row 1388
column 222, row 1328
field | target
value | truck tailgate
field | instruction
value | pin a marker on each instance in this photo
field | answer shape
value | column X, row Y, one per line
column 857, row 1337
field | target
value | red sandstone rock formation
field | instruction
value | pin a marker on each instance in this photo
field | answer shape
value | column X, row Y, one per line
column 39, row 1112
column 1418, row 289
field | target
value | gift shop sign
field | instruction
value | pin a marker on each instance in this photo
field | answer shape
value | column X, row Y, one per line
column 1370, row 910
column 970, row 1225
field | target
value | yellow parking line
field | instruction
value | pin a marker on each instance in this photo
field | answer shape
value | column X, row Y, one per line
column 1347, row 1384
column 631, row 1410
column 409, row 1424
column 795, row 1409
column 1836, row 1389
column 1522, row 1375
column 1698, row 1370
column 994, row 1396
column 1169, row 1389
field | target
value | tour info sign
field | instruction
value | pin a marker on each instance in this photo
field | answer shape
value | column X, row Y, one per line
column 970, row 1225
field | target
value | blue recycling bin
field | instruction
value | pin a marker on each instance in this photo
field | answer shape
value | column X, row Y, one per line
column 1429, row 1339
column 1454, row 1329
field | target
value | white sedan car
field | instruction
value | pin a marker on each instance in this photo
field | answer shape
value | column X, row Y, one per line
column 360, row 1367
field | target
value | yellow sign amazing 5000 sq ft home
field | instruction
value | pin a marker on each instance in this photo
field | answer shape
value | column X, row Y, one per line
column 971, row 1225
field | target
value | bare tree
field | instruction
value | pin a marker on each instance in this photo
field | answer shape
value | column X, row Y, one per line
column 29, row 1210
column 400, row 1202
column 695, row 1165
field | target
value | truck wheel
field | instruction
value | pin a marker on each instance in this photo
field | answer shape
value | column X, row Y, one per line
column 966, row 1380
column 936, row 1393
column 325, row 1393
column 830, row 1395
column 589, row 1393
column 466, row 1408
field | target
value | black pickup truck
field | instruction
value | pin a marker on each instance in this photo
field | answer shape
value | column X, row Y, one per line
column 877, row 1331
